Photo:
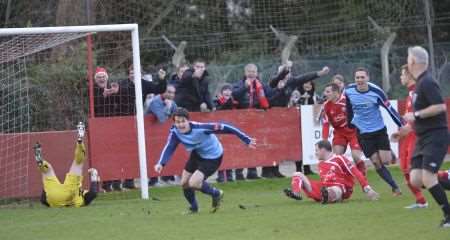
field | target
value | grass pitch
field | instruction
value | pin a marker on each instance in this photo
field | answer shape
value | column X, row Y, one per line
column 265, row 213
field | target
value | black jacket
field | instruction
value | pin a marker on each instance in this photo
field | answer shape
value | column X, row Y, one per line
column 192, row 91
column 280, row 97
column 127, row 99
column 105, row 106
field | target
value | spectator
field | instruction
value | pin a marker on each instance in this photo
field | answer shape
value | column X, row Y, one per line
column 307, row 97
column 308, row 94
column 293, row 100
column 250, row 92
column 155, row 84
column 192, row 90
column 225, row 101
column 162, row 106
column 283, row 84
column 175, row 79
column 106, row 105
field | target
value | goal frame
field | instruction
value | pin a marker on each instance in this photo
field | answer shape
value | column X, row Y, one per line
column 133, row 28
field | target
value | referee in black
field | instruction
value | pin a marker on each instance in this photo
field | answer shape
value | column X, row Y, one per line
column 430, row 122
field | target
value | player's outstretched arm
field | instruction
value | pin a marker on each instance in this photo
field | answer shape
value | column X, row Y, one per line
column 169, row 149
column 224, row 128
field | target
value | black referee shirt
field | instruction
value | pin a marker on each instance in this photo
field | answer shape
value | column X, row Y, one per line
column 428, row 93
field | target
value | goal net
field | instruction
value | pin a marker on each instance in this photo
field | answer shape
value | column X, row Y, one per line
column 45, row 74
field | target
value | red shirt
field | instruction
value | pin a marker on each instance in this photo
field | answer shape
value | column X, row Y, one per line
column 409, row 103
column 335, row 114
column 339, row 171
column 411, row 137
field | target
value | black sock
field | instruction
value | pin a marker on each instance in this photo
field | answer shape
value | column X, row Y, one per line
column 93, row 187
column 384, row 173
column 445, row 183
column 440, row 197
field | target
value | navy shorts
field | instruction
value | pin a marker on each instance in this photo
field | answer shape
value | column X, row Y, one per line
column 373, row 142
column 207, row 166
column 430, row 151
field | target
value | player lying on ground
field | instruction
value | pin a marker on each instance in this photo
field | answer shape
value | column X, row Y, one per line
column 68, row 194
column 336, row 179
column 205, row 158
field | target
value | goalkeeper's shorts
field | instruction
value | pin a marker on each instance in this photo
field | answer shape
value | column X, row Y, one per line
column 67, row 194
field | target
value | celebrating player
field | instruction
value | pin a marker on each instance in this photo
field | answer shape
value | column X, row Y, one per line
column 409, row 140
column 205, row 158
column 363, row 112
column 68, row 194
column 336, row 115
column 336, row 179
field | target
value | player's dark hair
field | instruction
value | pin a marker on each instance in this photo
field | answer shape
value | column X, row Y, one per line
column 324, row 144
column 181, row 112
column 361, row 69
column 334, row 87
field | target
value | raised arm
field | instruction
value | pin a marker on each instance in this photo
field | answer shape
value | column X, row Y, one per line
column 301, row 79
column 278, row 77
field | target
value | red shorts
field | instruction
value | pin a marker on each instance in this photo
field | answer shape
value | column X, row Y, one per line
column 406, row 151
column 316, row 195
column 342, row 138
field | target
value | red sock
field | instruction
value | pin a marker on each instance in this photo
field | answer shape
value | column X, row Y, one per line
column 361, row 166
column 296, row 184
column 416, row 191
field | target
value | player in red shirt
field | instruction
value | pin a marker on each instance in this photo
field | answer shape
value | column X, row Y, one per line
column 334, row 114
column 337, row 176
column 409, row 140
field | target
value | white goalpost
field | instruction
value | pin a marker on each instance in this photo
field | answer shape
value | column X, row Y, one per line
column 75, row 32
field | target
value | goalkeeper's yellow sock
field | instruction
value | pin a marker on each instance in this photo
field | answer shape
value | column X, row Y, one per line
column 43, row 167
column 80, row 153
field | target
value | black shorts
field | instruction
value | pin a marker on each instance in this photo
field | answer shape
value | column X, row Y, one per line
column 373, row 142
column 430, row 151
column 207, row 166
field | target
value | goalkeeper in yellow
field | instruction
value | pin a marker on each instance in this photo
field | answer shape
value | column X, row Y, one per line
column 70, row 193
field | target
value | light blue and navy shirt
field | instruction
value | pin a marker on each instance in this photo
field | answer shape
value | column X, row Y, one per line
column 201, row 138
column 363, row 108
